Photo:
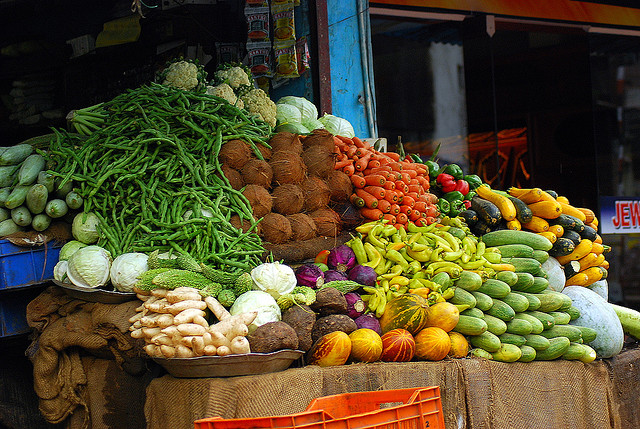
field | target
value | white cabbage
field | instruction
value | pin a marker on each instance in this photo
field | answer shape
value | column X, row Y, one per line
column 337, row 126
column 89, row 267
column 313, row 124
column 60, row 271
column 85, row 227
column 274, row 278
column 125, row 270
column 261, row 302
column 287, row 114
column 307, row 109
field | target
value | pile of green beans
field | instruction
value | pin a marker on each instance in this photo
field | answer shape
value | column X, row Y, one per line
column 153, row 178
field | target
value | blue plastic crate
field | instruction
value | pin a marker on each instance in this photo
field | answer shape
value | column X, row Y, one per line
column 24, row 266
column 13, row 313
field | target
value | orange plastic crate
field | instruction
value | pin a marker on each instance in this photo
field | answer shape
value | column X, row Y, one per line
column 416, row 408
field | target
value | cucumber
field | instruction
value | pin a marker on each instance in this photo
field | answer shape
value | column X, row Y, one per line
column 14, row 155
column 549, row 302
column 509, row 338
column 481, row 353
column 4, row 214
column 509, row 277
column 483, row 301
column 536, row 341
column 546, row 320
column 526, row 265
column 574, row 352
column 528, row 353
column 515, row 251
column 569, row 331
column 36, row 198
column 518, row 302
column 534, row 302
column 557, row 347
column 47, row 179
column 573, row 312
column 8, row 175
column 588, row 334
column 486, row 341
column 56, row 208
column 566, row 300
column 75, row 201
column 505, row 236
column 541, row 256
column 536, row 324
column 16, row 197
column 462, row 297
column 501, row 310
column 519, row 326
column 8, row 227
column 560, row 317
column 473, row 312
column 469, row 325
column 30, row 168
column 443, row 279
column 21, row 216
column 40, row 222
column 589, row 354
column 507, row 353
column 539, row 285
column 494, row 325
column 495, row 288
column 525, row 280
column 468, row 280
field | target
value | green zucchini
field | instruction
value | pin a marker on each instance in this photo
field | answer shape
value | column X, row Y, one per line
column 486, row 341
column 469, row 325
column 468, row 280
column 8, row 175
column 519, row 326
column 523, row 212
column 518, row 302
column 462, row 297
column 549, row 302
column 509, row 277
column 36, row 198
column 56, row 208
column 483, row 301
column 572, row 235
column 30, row 168
column 21, row 216
column 469, row 216
column 536, row 341
column 507, row 236
column 588, row 233
column 569, row 331
column 14, row 155
column 515, row 251
column 562, row 247
column 571, row 268
column 494, row 325
column 566, row 300
column 507, row 353
column 16, row 197
column 494, row 288
column 528, row 353
column 509, row 338
column 557, row 347
column 443, row 279
column 487, row 211
column 565, row 221
column 40, row 222
column 8, row 227
column 501, row 310
column 534, row 302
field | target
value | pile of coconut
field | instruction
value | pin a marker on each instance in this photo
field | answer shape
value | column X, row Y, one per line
column 294, row 190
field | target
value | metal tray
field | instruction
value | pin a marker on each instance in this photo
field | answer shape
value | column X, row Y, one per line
column 229, row 366
column 95, row 295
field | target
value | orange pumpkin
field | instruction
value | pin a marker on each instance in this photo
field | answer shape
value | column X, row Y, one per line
column 366, row 345
column 398, row 345
column 407, row 311
column 459, row 345
column 443, row 315
column 432, row 343
column 331, row 349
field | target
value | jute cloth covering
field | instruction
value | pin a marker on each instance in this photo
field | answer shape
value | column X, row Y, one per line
column 66, row 330
column 476, row 393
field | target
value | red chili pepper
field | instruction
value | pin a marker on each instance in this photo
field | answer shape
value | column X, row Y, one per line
column 462, row 186
column 322, row 257
column 467, row 204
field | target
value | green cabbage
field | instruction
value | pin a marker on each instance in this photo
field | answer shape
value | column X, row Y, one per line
column 307, row 109
column 125, row 270
column 85, row 227
column 337, row 126
column 69, row 249
column 287, row 114
column 89, row 267
column 263, row 303
column 313, row 124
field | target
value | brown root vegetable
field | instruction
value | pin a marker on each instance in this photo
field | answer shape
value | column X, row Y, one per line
column 259, row 200
column 273, row 336
column 288, row 198
column 302, row 227
column 316, row 193
column 257, row 172
column 334, row 322
column 327, row 221
column 319, row 160
column 235, row 154
column 287, row 167
column 285, row 141
column 329, row 300
column 233, row 176
column 340, row 186
column 301, row 318
column 276, row 228
column 319, row 137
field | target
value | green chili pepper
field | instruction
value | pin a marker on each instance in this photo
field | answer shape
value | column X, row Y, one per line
column 433, row 168
column 454, row 170
column 473, row 180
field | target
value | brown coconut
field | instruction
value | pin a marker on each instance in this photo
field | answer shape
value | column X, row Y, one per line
column 257, row 172
column 287, row 199
column 276, row 228
column 285, row 141
column 327, row 221
column 319, row 161
column 259, row 199
column 287, row 167
column 235, row 153
column 233, row 176
column 265, row 152
column 244, row 224
column 340, row 185
column 302, row 226
column 316, row 193
column 319, row 137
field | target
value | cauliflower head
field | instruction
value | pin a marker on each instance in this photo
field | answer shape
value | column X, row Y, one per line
column 235, row 76
column 258, row 103
column 183, row 74
column 226, row 92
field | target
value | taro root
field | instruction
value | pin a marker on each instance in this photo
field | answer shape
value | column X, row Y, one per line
column 275, row 228
column 273, row 336
column 319, row 160
column 340, row 186
column 302, row 227
column 319, row 137
column 301, row 318
column 334, row 322
column 288, row 198
column 329, row 300
column 327, row 221
column 287, row 167
column 259, row 200
column 233, row 176
column 235, row 154
column 285, row 141
column 316, row 193
column 257, row 172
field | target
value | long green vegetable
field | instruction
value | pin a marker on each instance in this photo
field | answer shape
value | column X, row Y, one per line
column 152, row 175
